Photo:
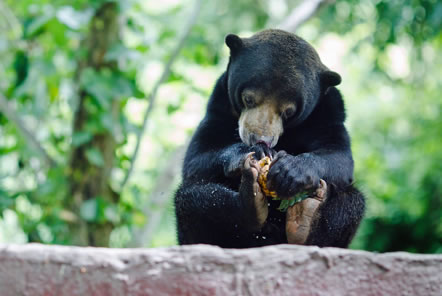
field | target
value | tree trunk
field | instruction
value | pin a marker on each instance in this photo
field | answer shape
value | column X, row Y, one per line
column 90, row 180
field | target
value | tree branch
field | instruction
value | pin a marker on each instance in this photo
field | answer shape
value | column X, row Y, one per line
column 12, row 116
column 302, row 13
column 151, row 99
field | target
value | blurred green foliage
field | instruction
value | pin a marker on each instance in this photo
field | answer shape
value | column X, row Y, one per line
column 388, row 53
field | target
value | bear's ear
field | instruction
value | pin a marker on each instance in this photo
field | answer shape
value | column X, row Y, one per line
column 330, row 78
column 234, row 43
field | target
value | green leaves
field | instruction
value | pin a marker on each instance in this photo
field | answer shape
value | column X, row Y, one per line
column 99, row 210
column 89, row 210
column 286, row 203
column 394, row 121
column 6, row 200
column 95, row 156
column 105, row 86
column 21, row 67
column 35, row 25
column 81, row 138
column 72, row 18
column 393, row 20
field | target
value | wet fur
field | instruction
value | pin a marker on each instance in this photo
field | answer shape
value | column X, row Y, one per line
column 207, row 204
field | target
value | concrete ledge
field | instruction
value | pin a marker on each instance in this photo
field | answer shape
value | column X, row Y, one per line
column 35, row 270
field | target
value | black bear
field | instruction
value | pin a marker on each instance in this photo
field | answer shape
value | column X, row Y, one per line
column 275, row 99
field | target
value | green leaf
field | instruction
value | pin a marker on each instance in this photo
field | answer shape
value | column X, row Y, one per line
column 72, row 18
column 89, row 210
column 99, row 210
column 21, row 67
column 57, row 31
column 35, row 26
column 292, row 201
column 105, row 86
column 107, row 121
column 286, row 203
column 172, row 108
column 80, row 138
column 118, row 52
column 111, row 214
column 99, row 86
column 121, row 86
column 5, row 150
column 283, row 205
column 5, row 200
column 95, row 157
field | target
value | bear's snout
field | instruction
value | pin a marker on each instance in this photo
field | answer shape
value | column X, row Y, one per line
column 267, row 140
column 260, row 124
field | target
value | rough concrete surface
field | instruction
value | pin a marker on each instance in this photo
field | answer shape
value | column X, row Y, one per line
column 36, row 270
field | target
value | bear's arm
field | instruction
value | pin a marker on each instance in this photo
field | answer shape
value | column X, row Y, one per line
column 313, row 153
column 329, row 148
column 326, row 142
column 210, row 199
column 211, row 149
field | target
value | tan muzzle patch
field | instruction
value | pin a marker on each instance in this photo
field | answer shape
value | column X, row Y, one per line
column 260, row 124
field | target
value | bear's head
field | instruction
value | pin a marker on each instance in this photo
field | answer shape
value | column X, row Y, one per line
column 274, row 81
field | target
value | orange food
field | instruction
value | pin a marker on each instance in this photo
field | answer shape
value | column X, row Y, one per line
column 264, row 163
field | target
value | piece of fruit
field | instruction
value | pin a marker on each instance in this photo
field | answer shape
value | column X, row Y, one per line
column 264, row 163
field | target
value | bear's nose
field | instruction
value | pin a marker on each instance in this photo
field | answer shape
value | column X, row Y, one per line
column 254, row 139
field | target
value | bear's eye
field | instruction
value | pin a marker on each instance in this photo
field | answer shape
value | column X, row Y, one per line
column 248, row 100
column 289, row 112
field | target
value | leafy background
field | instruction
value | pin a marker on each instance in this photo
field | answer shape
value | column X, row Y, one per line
column 78, row 78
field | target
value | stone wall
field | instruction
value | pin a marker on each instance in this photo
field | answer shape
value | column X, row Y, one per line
column 36, row 270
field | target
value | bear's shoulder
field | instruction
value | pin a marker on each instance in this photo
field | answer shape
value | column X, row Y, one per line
column 330, row 108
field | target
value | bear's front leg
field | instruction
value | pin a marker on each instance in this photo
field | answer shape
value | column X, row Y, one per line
column 289, row 175
column 233, row 157
column 253, row 201
column 301, row 216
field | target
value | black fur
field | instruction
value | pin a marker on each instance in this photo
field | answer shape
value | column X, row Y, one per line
column 207, row 204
